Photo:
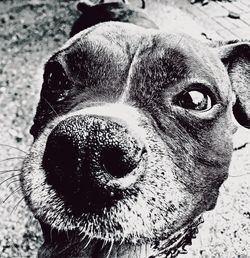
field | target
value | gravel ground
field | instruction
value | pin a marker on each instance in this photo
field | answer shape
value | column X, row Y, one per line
column 29, row 32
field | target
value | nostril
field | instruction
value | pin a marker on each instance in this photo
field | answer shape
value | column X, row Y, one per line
column 61, row 162
column 115, row 162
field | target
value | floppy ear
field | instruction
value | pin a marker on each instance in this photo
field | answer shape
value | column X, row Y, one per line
column 83, row 6
column 236, row 58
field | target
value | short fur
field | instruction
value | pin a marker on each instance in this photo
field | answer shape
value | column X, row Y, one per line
column 118, row 85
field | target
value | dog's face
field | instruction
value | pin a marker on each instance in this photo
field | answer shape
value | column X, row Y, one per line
column 132, row 141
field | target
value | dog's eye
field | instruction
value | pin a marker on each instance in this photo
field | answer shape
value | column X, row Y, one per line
column 194, row 100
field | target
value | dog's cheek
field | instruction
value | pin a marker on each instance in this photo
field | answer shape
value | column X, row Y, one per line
column 172, row 205
column 168, row 165
column 211, row 156
column 201, row 150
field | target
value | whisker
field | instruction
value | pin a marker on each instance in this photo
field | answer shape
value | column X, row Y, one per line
column 110, row 248
column 51, row 234
column 9, row 170
column 240, row 175
column 84, row 238
column 12, row 193
column 67, row 235
column 13, row 147
column 68, row 246
column 15, row 207
column 9, row 178
column 179, row 40
column 51, row 106
column 88, row 242
column 14, row 181
column 12, row 158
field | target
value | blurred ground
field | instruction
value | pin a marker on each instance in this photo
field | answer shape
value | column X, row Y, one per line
column 30, row 30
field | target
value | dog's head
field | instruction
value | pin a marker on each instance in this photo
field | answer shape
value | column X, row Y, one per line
column 132, row 140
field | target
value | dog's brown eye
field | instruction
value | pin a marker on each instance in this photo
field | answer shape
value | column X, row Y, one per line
column 194, row 100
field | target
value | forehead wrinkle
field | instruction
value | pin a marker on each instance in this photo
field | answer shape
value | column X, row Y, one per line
column 143, row 45
column 203, row 63
column 165, row 60
column 207, row 67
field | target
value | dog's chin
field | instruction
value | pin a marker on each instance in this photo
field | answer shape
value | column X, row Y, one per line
column 66, row 244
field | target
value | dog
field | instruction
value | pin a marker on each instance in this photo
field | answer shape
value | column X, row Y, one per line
column 113, row 11
column 132, row 140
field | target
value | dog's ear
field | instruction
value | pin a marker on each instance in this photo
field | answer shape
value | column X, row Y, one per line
column 236, row 58
column 84, row 5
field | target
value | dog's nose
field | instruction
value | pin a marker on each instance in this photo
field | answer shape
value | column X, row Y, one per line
column 87, row 157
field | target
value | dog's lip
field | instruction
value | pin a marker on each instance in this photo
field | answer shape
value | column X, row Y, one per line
column 173, row 245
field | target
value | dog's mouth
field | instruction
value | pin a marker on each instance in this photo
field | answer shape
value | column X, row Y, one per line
column 177, row 242
column 170, row 247
column 95, row 212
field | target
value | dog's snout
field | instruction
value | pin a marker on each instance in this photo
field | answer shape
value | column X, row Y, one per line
column 89, row 156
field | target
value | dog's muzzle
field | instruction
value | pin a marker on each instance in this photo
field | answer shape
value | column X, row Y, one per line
column 91, row 161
